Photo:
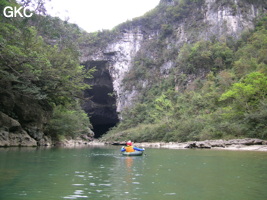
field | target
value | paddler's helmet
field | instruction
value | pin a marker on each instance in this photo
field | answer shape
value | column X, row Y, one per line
column 129, row 143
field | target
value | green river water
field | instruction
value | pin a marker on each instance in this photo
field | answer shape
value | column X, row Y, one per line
column 102, row 173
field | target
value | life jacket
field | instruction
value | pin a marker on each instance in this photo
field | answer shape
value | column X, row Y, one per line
column 129, row 149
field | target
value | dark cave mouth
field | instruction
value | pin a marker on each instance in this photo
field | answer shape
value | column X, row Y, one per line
column 103, row 123
column 102, row 129
column 101, row 104
column 103, row 115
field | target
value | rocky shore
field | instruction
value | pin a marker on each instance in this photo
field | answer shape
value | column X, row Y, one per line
column 78, row 143
column 247, row 144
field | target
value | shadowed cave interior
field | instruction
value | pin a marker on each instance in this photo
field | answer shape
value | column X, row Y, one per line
column 101, row 103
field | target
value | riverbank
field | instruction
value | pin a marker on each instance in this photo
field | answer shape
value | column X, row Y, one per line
column 247, row 144
column 78, row 143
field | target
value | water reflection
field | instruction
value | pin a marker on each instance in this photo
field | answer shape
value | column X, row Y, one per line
column 129, row 167
column 103, row 173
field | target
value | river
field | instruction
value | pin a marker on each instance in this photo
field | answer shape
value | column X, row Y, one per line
column 102, row 173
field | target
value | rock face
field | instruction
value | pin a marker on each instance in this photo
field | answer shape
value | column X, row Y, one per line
column 230, row 19
column 126, row 49
column 22, row 121
column 209, row 19
column 12, row 134
column 117, row 58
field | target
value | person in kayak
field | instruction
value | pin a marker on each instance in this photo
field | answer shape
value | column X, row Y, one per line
column 130, row 148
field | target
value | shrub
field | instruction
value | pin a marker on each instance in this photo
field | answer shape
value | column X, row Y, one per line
column 70, row 122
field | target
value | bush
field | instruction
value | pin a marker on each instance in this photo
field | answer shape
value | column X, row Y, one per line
column 71, row 122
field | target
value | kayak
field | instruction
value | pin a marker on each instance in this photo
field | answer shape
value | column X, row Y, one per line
column 135, row 153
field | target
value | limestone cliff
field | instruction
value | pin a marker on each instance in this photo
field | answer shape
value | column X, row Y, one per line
column 172, row 23
column 117, row 56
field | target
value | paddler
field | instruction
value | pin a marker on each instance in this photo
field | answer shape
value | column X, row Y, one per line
column 130, row 148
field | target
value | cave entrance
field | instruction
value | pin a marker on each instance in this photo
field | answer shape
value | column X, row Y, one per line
column 101, row 103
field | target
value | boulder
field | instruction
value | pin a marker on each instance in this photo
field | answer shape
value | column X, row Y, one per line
column 45, row 141
column 201, row 145
column 225, row 143
column 22, row 120
column 12, row 134
column 21, row 139
column 217, row 143
column 246, row 141
column 4, row 139
column 9, row 123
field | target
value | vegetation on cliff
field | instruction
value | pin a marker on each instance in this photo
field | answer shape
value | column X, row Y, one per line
column 218, row 89
column 40, row 61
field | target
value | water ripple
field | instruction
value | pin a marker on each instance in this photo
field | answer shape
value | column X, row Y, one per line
column 169, row 194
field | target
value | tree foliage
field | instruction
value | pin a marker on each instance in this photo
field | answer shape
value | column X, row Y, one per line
column 249, row 92
column 68, row 122
column 204, row 56
column 38, row 70
column 33, row 66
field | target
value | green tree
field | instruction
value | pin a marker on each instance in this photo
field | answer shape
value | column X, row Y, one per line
column 38, row 70
column 204, row 56
column 163, row 109
column 69, row 121
column 248, row 93
column 51, row 73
